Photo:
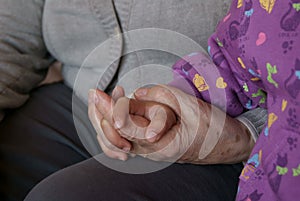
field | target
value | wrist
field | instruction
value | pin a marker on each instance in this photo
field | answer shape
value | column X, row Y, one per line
column 254, row 120
column 234, row 145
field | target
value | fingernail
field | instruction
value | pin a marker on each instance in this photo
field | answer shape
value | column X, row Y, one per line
column 151, row 136
column 141, row 92
column 104, row 123
column 132, row 155
column 93, row 98
column 115, row 92
column 122, row 157
column 126, row 149
column 96, row 98
column 91, row 95
column 118, row 124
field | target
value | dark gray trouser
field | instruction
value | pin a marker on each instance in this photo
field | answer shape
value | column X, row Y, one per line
column 39, row 139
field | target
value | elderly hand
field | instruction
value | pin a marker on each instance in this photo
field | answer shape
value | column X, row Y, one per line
column 198, row 136
column 185, row 140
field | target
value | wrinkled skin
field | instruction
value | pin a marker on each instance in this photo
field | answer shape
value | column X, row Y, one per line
column 163, row 123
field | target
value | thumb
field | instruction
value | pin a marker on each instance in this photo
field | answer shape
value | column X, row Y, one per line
column 117, row 93
column 162, row 119
column 162, row 94
column 105, row 105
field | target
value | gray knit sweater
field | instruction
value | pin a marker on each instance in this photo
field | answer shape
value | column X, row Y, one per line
column 34, row 33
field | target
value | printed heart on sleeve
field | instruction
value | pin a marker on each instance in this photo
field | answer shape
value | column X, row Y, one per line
column 221, row 84
column 261, row 39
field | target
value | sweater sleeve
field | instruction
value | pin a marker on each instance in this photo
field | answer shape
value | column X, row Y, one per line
column 255, row 120
column 23, row 55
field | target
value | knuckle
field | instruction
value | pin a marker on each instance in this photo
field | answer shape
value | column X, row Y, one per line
column 142, row 143
column 162, row 92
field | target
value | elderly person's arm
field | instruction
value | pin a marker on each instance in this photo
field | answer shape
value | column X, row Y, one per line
column 232, row 139
column 214, row 139
column 203, row 134
column 23, row 56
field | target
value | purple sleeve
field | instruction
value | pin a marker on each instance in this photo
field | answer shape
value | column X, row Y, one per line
column 211, row 81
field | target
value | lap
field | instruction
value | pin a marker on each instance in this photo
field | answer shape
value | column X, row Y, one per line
column 90, row 180
column 36, row 140
column 40, row 138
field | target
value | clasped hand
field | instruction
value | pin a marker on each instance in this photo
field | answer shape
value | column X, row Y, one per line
column 161, row 123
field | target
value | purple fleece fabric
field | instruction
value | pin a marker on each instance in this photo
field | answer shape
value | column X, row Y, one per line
column 255, row 61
